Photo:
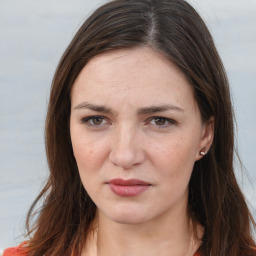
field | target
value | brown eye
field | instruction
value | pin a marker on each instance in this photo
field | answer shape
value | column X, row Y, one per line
column 160, row 121
column 97, row 120
column 94, row 121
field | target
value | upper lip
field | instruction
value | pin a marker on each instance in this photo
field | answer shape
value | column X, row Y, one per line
column 130, row 182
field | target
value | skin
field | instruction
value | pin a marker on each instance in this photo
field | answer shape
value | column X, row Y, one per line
column 131, row 139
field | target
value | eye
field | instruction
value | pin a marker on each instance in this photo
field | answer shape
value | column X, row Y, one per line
column 161, row 121
column 94, row 120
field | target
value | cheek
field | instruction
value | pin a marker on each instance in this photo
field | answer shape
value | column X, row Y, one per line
column 90, row 158
column 174, row 159
column 89, row 153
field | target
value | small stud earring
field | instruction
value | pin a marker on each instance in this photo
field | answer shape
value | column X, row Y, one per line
column 202, row 152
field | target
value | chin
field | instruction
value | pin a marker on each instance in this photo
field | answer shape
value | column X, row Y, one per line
column 128, row 215
column 128, row 220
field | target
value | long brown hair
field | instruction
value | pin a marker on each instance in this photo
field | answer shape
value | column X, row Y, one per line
column 175, row 29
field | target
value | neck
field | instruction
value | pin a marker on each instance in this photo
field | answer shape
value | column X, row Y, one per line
column 154, row 238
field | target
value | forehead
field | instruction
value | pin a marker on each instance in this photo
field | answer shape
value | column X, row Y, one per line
column 140, row 74
column 128, row 61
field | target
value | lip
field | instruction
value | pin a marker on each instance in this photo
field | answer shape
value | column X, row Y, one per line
column 128, row 188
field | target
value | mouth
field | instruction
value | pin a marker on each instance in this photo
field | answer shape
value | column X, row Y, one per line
column 128, row 188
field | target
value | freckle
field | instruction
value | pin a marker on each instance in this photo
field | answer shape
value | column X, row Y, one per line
column 165, row 153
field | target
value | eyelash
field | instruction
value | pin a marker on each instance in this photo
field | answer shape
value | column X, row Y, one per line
column 88, row 119
column 167, row 121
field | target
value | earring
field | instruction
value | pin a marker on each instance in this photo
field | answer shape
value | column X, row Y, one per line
column 202, row 152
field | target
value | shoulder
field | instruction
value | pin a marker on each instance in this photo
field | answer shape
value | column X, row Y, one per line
column 251, row 252
column 247, row 253
column 19, row 250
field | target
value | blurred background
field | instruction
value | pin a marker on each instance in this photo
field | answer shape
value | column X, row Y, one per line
column 33, row 36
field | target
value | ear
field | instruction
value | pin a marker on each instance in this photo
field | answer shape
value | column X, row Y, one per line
column 206, row 140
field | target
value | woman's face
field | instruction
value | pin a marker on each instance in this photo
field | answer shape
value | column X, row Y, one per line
column 136, row 133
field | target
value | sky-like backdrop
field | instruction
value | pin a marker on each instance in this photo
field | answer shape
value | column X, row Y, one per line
column 33, row 36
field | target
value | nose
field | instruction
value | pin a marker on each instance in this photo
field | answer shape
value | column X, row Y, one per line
column 127, row 148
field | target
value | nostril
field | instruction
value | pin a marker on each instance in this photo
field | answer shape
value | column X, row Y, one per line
column 126, row 157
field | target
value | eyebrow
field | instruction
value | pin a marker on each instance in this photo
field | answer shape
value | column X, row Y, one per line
column 97, row 108
column 140, row 111
column 155, row 109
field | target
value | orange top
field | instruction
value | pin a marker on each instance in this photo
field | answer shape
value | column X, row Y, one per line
column 19, row 251
column 15, row 251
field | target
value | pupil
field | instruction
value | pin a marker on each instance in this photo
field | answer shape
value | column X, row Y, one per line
column 97, row 120
column 160, row 121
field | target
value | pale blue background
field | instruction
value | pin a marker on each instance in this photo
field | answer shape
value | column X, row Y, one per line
column 34, row 34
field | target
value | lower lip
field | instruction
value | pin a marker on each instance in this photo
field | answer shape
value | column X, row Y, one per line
column 127, row 191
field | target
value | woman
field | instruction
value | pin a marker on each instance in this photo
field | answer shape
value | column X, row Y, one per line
column 140, row 142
